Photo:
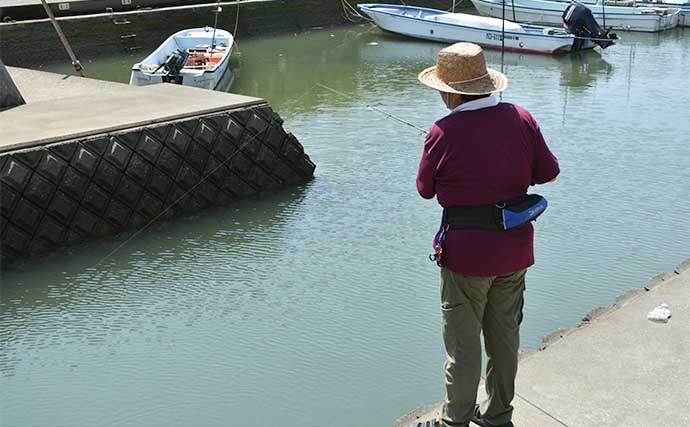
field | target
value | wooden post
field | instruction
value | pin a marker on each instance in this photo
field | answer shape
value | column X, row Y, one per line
column 9, row 94
column 75, row 62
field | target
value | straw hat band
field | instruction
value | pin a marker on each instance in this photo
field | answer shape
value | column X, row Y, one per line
column 461, row 68
column 470, row 80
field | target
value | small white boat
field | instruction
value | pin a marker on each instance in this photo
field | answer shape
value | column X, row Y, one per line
column 438, row 25
column 548, row 12
column 197, row 57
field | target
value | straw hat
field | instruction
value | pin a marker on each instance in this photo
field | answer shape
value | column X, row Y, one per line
column 461, row 68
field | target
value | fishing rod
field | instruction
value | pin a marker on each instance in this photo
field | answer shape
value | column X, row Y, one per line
column 371, row 107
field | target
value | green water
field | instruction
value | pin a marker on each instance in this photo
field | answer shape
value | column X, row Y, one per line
column 317, row 306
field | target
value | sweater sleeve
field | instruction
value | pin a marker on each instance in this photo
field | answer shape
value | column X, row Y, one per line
column 545, row 166
column 426, row 185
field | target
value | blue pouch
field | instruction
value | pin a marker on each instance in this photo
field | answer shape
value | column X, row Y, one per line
column 518, row 214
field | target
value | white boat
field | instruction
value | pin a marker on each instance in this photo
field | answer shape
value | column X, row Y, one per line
column 682, row 5
column 442, row 26
column 197, row 57
column 549, row 12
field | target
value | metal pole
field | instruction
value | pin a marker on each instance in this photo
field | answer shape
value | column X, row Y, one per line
column 10, row 96
column 75, row 62
column 215, row 24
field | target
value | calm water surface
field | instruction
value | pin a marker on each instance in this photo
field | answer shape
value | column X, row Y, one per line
column 317, row 306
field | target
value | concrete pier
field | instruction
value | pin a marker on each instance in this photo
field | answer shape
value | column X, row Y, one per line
column 87, row 158
column 616, row 369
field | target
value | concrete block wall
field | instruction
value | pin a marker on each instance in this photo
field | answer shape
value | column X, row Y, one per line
column 31, row 43
column 63, row 193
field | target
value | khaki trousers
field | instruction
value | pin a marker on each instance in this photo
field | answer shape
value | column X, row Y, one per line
column 469, row 305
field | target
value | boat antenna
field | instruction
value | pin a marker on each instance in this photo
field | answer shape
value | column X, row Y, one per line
column 216, row 11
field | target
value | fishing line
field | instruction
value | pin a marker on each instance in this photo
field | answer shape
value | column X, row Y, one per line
column 372, row 107
column 186, row 193
column 503, row 42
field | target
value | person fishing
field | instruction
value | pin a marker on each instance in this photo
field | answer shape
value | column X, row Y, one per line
column 479, row 161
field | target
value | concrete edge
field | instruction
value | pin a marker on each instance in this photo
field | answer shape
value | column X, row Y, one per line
column 598, row 313
column 559, row 334
column 141, row 124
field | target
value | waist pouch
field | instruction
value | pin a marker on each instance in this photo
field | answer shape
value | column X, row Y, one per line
column 500, row 216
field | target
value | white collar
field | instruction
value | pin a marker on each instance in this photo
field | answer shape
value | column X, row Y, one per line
column 477, row 104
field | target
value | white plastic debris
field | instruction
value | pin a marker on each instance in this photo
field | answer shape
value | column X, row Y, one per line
column 373, row 44
column 660, row 314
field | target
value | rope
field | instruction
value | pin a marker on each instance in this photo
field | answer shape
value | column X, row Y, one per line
column 237, row 21
column 348, row 10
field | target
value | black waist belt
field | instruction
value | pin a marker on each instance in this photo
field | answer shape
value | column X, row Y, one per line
column 500, row 216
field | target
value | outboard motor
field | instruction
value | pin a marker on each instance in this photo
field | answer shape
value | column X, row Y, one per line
column 580, row 22
column 173, row 65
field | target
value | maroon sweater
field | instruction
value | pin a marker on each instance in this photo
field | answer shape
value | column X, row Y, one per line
column 481, row 157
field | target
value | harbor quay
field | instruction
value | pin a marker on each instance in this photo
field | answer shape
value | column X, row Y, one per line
column 84, row 158
column 616, row 368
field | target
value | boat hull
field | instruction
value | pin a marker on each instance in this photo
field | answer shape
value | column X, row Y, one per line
column 551, row 13
column 387, row 18
column 142, row 75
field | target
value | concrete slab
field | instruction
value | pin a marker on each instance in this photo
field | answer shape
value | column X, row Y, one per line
column 60, row 108
column 618, row 369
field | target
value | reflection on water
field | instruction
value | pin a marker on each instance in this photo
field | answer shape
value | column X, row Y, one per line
column 317, row 306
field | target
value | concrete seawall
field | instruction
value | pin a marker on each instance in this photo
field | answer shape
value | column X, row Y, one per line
column 26, row 43
column 73, row 168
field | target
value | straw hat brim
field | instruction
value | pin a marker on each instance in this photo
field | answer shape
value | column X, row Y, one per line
column 494, row 81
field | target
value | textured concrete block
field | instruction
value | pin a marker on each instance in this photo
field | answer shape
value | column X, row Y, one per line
column 117, row 213
column 187, row 177
column 39, row 190
column 169, row 162
column 51, row 166
column 84, row 161
column 84, row 221
column 15, row 239
column 74, row 183
column 107, row 176
column 62, row 207
column 118, row 153
column 179, row 141
column 26, row 215
column 197, row 156
column 96, row 199
column 128, row 191
column 50, row 231
column 159, row 184
column 64, row 150
column 149, row 147
column 15, row 174
column 139, row 169
column 67, row 192
column 30, row 158
column 8, row 198
column 149, row 206
column 232, row 129
column 206, row 135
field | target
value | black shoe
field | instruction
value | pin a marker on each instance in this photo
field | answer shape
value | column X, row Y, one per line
column 477, row 419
